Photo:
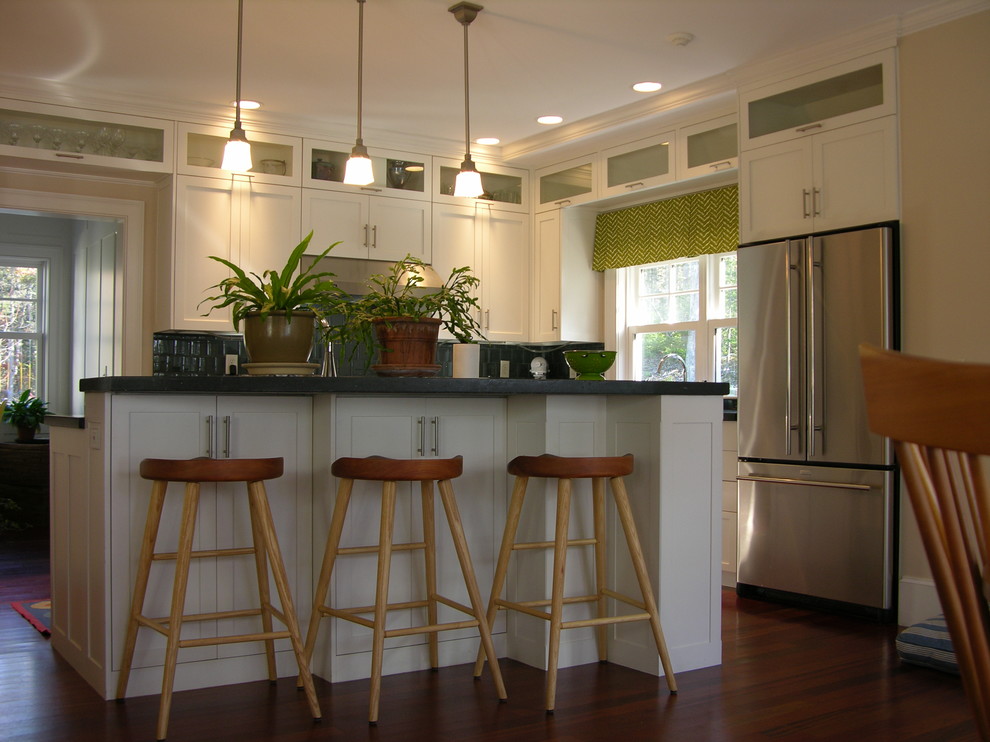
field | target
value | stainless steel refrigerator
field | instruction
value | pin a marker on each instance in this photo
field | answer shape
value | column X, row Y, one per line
column 816, row 487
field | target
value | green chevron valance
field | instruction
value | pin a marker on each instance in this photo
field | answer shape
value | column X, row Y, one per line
column 696, row 224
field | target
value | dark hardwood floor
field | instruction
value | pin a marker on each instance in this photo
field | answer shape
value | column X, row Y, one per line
column 787, row 674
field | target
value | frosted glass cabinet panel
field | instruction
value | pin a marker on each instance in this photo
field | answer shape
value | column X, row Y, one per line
column 641, row 164
column 857, row 90
column 708, row 147
column 567, row 184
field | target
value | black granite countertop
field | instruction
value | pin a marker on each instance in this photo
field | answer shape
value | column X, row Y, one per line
column 380, row 385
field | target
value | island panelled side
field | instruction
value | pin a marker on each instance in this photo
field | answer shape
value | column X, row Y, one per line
column 99, row 504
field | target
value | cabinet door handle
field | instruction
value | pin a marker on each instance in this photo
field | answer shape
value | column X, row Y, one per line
column 371, row 188
column 718, row 165
column 365, row 235
column 553, row 320
column 488, row 318
column 435, row 422
column 209, row 436
column 816, row 201
column 421, row 422
column 562, row 203
column 374, row 237
column 809, row 127
column 226, row 437
column 805, row 194
column 633, row 186
column 70, row 155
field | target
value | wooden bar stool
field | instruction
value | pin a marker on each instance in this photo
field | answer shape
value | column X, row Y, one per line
column 265, row 549
column 388, row 472
column 566, row 469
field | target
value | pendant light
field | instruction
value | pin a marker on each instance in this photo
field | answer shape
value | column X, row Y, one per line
column 237, row 152
column 468, row 182
column 358, row 169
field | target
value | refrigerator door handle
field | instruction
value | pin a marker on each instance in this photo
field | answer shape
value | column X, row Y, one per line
column 807, row 482
column 816, row 364
column 793, row 304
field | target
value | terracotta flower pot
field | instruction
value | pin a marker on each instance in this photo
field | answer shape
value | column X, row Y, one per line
column 277, row 339
column 408, row 346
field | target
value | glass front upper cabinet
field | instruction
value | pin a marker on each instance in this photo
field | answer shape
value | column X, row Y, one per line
column 708, row 147
column 502, row 186
column 567, row 183
column 641, row 164
column 276, row 158
column 855, row 91
column 396, row 173
column 54, row 133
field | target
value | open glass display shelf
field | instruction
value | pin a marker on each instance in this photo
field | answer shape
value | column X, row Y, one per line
column 274, row 160
column 395, row 174
column 501, row 188
column 48, row 134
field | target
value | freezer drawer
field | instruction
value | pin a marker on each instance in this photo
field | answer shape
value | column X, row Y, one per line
column 817, row 531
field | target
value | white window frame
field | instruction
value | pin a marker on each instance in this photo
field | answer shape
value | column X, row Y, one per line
column 41, row 334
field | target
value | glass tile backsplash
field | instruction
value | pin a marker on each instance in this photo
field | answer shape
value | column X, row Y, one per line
column 204, row 354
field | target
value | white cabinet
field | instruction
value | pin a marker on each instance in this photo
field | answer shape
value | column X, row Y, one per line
column 839, row 178
column 369, row 227
column 255, row 225
column 413, row 428
column 505, row 188
column 730, row 507
column 401, row 174
column 857, row 90
column 495, row 244
column 567, row 183
column 567, row 293
column 187, row 426
column 641, row 164
column 707, row 147
column 276, row 159
column 71, row 135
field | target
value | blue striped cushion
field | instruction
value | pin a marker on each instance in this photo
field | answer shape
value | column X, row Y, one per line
column 927, row 643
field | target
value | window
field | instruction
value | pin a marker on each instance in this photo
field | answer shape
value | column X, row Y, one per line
column 22, row 326
column 681, row 319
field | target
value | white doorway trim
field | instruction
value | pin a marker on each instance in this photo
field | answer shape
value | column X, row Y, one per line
column 128, row 299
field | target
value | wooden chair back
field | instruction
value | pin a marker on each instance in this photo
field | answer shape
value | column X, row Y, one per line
column 938, row 415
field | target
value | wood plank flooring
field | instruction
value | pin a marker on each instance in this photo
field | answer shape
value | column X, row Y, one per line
column 788, row 675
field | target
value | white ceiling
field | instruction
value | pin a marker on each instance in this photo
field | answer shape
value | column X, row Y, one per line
column 575, row 58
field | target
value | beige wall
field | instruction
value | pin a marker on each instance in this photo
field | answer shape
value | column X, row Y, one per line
column 945, row 206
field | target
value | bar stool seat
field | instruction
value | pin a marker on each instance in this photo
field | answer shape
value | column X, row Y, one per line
column 565, row 470
column 389, row 471
column 193, row 472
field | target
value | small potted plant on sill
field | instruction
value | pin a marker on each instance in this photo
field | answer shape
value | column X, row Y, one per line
column 268, row 303
column 401, row 316
column 26, row 413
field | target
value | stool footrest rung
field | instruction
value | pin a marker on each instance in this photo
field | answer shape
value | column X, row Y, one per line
column 550, row 544
column 352, row 615
column 431, row 628
column 344, row 550
column 234, row 551
column 234, row 638
column 604, row 620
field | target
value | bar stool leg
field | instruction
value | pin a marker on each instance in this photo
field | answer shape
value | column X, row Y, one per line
column 504, row 552
column 470, row 581
column 557, row 599
column 259, row 503
column 430, row 560
column 326, row 570
column 155, row 506
column 639, row 565
column 264, row 590
column 190, row 506
column 598, row 497
column 381, row 596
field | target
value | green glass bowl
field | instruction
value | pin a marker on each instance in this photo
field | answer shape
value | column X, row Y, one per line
column 590, row 364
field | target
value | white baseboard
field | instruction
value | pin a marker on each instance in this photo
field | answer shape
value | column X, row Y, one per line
column 917, row 600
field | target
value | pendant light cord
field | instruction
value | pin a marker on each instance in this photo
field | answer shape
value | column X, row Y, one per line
column 467, row 106
column 360, row 80
column 240, row 36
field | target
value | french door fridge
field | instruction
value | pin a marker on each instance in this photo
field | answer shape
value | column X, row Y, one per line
column 816, row 487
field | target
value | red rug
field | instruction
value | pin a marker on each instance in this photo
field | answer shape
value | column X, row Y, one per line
column 37, row 612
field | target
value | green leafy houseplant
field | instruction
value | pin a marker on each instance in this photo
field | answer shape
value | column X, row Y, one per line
column 277, row 290
column 25, row 413
column 400, row 293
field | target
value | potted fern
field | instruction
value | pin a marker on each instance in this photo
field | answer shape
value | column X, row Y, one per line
column 26, row 413
column 400, row 317
column 268, row 304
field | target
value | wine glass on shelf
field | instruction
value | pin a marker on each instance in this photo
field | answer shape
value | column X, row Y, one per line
column 13, row 133
column 102, row 144
column 58, row 136
column 38, row 133
column 116, row 140
column 79, row 139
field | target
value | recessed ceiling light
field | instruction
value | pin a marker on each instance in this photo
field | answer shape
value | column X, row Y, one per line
column 647, row 87
column 549, row 120
column 247, row 104
column 487, row 140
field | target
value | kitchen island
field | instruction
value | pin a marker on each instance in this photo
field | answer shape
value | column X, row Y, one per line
column 99, row 504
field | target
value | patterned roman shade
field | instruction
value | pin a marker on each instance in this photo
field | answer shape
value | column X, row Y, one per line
column 696, row 224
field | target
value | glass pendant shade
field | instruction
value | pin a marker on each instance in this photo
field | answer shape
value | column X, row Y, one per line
column 468, row 182
column 237, row 153
column 358, row 170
